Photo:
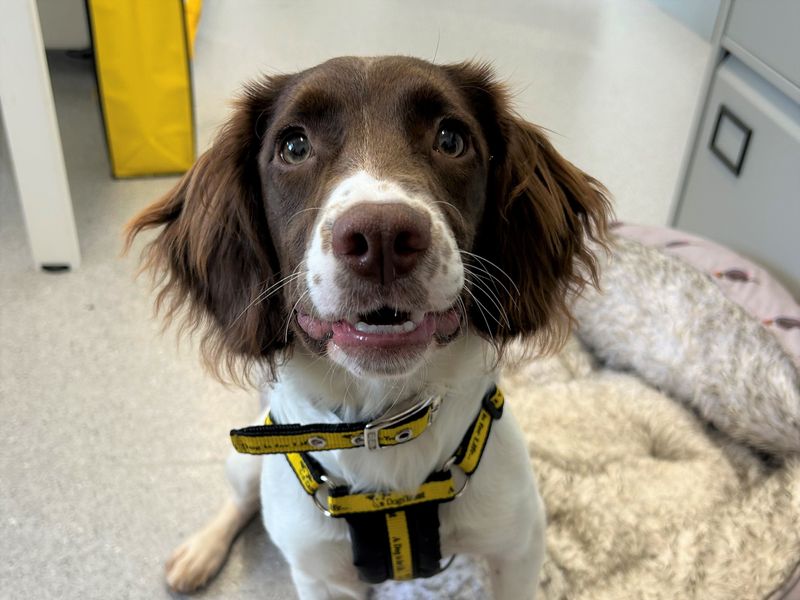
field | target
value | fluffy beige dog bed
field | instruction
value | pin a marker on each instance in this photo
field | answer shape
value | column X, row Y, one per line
column 666, row 443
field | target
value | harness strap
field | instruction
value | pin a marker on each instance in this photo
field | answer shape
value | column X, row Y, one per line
column 470, row 451
column 439, row 487
column 397, row 545
column 308, row 471
column 272, row 438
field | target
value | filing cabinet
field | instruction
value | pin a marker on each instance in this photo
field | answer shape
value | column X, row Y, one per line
column 741, row 178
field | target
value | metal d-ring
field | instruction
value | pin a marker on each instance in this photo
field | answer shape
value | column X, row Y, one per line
column 451, row 462
column 464, row 486
column 327, row 483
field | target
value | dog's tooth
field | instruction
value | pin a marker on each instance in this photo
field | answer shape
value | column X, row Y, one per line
column 386, row 329
column 406, row 327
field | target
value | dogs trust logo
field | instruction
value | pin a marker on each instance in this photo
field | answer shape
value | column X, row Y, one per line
column 384, row 501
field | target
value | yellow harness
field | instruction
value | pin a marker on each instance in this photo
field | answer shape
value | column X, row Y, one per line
column 394, row 534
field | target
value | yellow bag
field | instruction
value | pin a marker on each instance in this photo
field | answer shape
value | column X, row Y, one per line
column 142, row 56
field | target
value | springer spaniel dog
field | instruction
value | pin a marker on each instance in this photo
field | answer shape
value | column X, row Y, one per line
column 363, row 237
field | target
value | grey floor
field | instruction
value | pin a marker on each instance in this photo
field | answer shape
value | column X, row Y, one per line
column 112, row 437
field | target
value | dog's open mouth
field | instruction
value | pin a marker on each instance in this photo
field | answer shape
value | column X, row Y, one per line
column 386, row 320
column 385, row 327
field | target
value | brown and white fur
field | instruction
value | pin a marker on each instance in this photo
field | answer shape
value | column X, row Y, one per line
column 365, row 233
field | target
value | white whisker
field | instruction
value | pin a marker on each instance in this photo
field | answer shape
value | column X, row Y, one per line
column 299, row 212
column 482, row 310
column 271, row 290
column 291, row 315
column 492, row 297
column 486, row 260
column 476, row 268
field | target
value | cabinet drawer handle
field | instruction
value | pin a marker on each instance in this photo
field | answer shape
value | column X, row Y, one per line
column 730, row 139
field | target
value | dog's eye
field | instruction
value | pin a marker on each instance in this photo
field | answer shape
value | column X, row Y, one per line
column 449, row 141
column 296, row 148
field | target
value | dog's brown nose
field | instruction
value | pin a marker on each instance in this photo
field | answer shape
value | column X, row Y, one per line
column 381, row 241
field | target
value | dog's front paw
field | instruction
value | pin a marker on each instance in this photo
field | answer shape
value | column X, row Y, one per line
column 197, row 560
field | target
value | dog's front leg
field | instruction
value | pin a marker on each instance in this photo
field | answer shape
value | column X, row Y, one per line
column 515, row 575
column 318, row 553
column 316, row 547
column 327, row 579
column 199, row 558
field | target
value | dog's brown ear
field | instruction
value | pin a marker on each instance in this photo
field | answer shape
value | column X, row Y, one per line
column 213, row 256
column 542, row 221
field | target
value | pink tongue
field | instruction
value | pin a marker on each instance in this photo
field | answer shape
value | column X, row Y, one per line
column 314, row 327
column 447, row 323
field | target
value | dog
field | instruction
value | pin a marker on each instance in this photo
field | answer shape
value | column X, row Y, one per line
column 364, row 236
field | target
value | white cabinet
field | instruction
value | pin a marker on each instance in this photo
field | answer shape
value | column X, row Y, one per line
column 741, row 183
column 769, row 30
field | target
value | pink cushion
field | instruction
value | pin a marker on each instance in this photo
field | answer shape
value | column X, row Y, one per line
column 743, row 281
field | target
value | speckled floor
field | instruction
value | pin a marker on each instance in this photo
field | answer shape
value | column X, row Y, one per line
column 111, row 437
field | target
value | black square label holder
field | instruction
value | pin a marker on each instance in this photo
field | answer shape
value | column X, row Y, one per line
column 730, row 139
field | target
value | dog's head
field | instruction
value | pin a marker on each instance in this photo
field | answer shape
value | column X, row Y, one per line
column 373, row 210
